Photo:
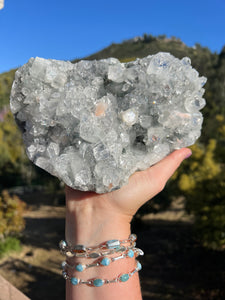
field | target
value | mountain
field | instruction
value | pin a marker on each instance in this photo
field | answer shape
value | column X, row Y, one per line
column 202, row 58
column 211, row 65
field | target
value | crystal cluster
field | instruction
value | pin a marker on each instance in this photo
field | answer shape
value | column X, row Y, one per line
column 94, row 123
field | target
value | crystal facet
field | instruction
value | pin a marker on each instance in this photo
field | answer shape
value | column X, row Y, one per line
column 94, row 123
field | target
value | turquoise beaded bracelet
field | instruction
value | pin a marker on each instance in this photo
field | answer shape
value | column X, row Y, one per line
column 97, row 282
column 105, row 261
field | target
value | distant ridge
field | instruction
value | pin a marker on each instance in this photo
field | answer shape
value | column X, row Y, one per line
column 201, row 57
column 209, row 64
column 141, row 47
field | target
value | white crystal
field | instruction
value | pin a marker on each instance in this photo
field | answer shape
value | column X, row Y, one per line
column 115, row 73
column 130, row 116
column 94, row 123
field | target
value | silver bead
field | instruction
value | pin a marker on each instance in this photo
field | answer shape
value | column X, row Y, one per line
column 133, row 237
column 94, row 255
column 64, row 264
column 69, row 254
column 123, row 248
column 79, row 249
column 63, row 244
column 64, row 274
column 140, row 252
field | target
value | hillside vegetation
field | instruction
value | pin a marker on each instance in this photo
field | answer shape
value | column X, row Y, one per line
column 201, row 179
column 6, row 80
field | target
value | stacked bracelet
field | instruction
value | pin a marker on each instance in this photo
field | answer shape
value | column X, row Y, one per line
column 97, row 282
column 104, row 255
column 105, row 261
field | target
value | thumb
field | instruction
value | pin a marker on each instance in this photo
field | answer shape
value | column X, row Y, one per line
column 163, row 170
column 148, row 183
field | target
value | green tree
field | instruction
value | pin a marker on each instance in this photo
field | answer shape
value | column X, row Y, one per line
column 6, row 80
column 12, row 156
column 202, row 181
column 11, row 215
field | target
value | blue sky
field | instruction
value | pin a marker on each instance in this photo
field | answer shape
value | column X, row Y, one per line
column 68, row 29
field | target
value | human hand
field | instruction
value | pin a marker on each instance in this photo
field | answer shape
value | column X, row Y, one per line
column 142, row 186
column 122, row 204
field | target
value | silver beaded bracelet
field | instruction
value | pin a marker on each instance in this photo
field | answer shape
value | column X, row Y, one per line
column 97, row 282
column 105, row 261
column 106, row 248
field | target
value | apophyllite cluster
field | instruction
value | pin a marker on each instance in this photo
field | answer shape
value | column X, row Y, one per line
column 94, row 123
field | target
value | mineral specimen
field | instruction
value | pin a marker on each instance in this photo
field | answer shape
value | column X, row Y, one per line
column 94, row 123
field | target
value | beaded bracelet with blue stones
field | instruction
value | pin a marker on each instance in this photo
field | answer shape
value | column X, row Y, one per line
column 97, row 282
column 104, row 253
column 105, row 261
column 107, row 248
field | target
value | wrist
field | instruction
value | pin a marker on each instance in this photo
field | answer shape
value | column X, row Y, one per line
column 90, row 224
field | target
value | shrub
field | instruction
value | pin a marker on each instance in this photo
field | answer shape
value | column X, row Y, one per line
column 9, row 244
column 11, row 215
column 202, row 180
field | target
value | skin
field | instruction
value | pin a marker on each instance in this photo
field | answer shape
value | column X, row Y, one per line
column 95, row 218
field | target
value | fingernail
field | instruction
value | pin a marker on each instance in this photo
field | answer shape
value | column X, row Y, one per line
column 188, row 155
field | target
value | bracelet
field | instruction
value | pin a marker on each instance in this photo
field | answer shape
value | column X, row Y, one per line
column 98, row 254
column 126, row 247
column 97, row 282
column 103, row 249
column 105, row 261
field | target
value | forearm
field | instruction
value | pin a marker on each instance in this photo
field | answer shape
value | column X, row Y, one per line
column 90, row 225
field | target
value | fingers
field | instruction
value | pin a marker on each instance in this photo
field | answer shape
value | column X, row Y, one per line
column 146, row 184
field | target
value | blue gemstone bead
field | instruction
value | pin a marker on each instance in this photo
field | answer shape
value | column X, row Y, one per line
column 80, row 268
column 130, row 253
column 98, row 282
column 124, row 277
column 105, row 261
column 74, row 281
column 139, row 266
